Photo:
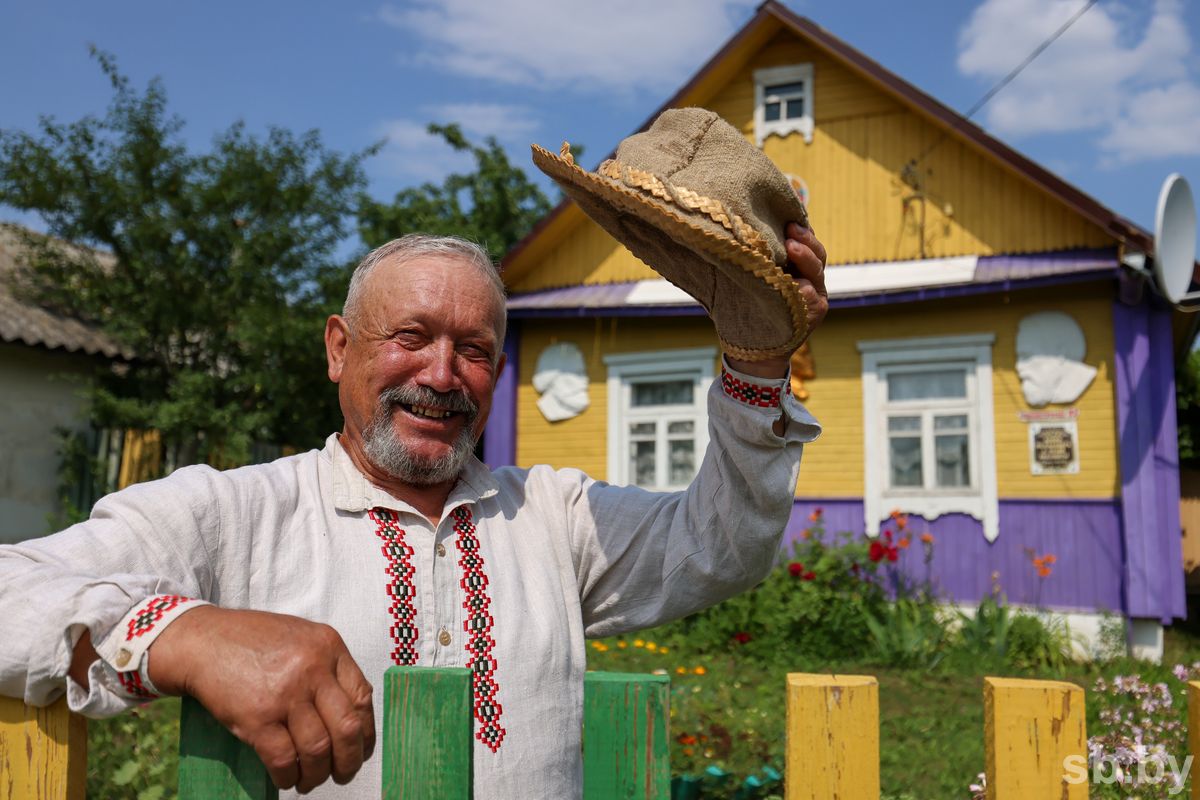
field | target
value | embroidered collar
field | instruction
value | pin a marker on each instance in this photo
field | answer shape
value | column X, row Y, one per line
column 353, row 492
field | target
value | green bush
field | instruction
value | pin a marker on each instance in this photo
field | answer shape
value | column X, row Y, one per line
column 136, row 754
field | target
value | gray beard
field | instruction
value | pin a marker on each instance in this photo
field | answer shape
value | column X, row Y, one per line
column 388, row 453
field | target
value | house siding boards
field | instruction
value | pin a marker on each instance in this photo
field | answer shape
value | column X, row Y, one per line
column 581, row 442
column 834, row 467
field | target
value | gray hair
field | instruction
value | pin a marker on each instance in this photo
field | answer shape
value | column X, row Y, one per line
column 419, row 245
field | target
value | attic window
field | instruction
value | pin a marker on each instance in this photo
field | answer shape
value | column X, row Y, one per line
column 783, row 102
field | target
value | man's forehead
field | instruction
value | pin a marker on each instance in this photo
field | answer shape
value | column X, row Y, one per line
column 413, row 285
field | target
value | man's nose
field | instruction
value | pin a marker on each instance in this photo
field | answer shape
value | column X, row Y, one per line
column 438, row 371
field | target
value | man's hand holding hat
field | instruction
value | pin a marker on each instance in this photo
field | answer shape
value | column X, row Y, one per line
column 696, row 201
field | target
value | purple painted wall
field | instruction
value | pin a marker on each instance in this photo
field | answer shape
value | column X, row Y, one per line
column 500, row 435
column 1145, row 384
column 1084, row 536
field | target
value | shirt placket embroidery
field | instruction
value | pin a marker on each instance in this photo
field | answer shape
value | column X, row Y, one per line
column 478, row 626
column 400, row 588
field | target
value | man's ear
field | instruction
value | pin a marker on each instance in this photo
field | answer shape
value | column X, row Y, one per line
column 337, row 339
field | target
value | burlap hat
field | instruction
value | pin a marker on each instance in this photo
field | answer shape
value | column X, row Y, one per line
column 706, row 209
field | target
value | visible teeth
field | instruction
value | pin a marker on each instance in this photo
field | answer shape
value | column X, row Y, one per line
column 426, row 411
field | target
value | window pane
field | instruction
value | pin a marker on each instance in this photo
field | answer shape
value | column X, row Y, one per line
column 783, row 89
column 905, row 459
column 642, row 429
column 927, row 385
column 662, row 393
column 954, row 422
column 683, row 426
column 795, row 108
column 641, row 463
column 952, row 463
column 683, row 461
column 901, row 424
column 771, row 112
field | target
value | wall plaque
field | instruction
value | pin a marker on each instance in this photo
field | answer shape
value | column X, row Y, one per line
column 1054, row 448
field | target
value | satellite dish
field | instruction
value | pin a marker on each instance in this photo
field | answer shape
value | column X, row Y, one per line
column 1174, row 238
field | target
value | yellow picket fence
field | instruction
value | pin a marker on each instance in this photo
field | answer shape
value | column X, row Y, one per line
column 1031, row 729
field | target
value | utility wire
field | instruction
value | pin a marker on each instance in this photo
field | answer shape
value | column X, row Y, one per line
column 1007, row 79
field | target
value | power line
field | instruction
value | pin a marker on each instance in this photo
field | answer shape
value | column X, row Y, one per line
column 1007, row 79
column 1029, row 59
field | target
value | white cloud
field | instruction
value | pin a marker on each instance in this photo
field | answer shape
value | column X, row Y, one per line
column 411, row 152
column 584, row 44
column 1115, row 73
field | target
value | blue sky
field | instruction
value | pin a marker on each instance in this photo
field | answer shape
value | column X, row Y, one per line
column 1113, row 106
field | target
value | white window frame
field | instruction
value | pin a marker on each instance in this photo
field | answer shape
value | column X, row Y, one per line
column 625, row 369
column 774, row 76
column 881, row 356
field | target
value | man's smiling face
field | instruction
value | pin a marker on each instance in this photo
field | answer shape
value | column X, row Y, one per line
column 419, row 367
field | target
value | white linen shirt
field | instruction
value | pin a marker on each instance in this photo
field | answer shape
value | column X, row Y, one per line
column 565, row 557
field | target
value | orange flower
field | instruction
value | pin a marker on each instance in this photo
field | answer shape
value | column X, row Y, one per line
column 1038, row 562
column 1049, row 558
column 806, row 533
column 927, row 537
column 816, row 514
column 1043, row 571
column 686, row 738
column 700, row 670
column 904, row 542
column 681, row 670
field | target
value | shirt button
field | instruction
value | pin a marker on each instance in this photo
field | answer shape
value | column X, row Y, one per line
column 123, row 657
column 444, row 637
column 440, row 549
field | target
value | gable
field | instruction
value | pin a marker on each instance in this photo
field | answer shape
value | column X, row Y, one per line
column 866, row 202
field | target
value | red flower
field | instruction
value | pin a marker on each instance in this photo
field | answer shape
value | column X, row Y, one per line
column 796, row 569
column 892, row 554
column 888, row 535
column 877, row 551
column 808, row 576
column 686, row 738
column 816, row 514
column 741, row 637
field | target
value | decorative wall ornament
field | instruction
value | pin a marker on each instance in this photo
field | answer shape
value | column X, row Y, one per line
column 1050, row 351
column 561, row 379
column 804, row 368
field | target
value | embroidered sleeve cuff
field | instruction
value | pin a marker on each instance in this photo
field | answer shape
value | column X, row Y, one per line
column 123, row 651
column 766, row 397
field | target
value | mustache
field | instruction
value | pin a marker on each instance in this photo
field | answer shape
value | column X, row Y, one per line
column 424, row 396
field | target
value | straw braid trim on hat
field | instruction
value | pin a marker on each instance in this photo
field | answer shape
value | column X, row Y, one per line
column 636, row 205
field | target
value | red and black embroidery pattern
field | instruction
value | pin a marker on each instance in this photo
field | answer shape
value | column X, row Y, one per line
column 131, row 682
column 400, row 588
column 752, row 394
column 145, row 618
column 478, row 626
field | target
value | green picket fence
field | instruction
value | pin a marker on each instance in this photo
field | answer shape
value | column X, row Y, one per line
column 428, row 731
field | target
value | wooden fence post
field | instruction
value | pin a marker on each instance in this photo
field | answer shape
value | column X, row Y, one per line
column 43, row 751
column 1031, row 729
column 832, row 737
column 215, row 763
column 1194, row 733
column 626, row 752
column 427, row 742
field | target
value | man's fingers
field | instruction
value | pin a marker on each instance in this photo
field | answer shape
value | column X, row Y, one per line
column 274, row 746
column 808, row 265
column 345, row 726
column 314, row 745
column 360, row 694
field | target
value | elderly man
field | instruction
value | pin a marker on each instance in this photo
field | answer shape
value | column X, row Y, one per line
column 277, row 594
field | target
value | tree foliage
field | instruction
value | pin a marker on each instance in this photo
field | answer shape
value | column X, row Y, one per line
column 206, row 265
column 495, row 205
column 1187, row 406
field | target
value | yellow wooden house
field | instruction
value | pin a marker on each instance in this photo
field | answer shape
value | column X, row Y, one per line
column 991, row 365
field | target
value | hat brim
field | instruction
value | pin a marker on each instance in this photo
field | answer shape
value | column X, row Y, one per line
column 744, row 290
